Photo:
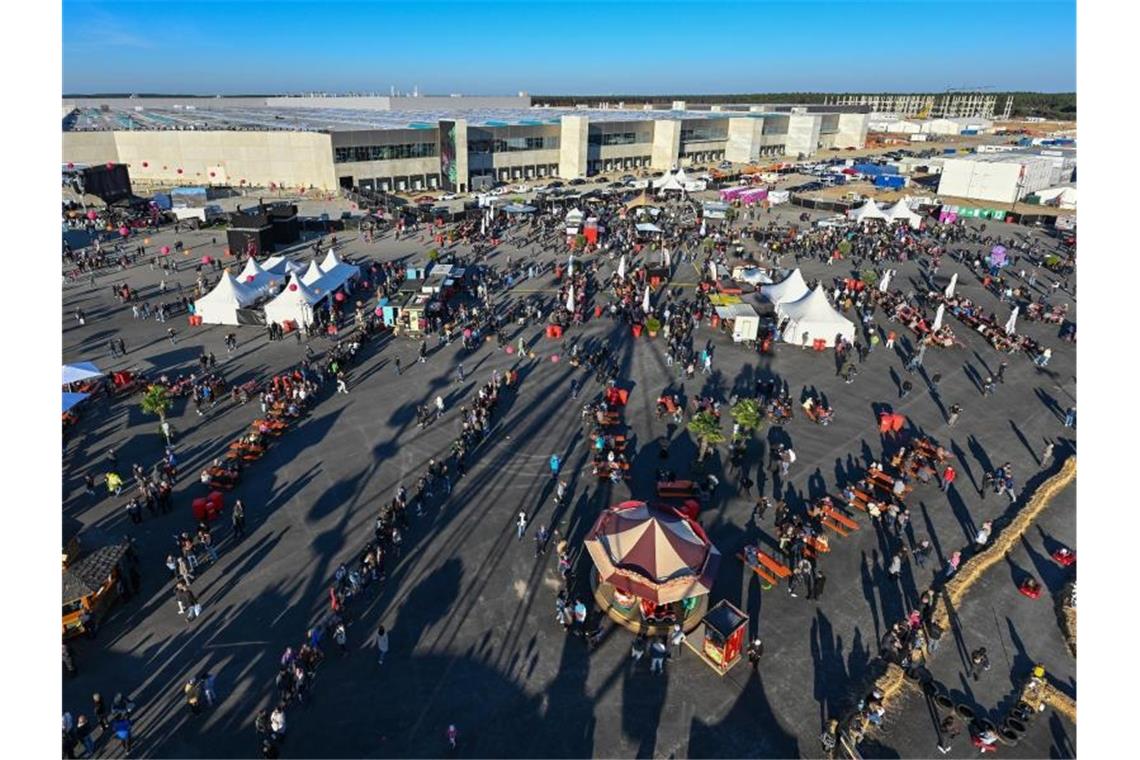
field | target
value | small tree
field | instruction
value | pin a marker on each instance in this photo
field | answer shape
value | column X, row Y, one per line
column 748, row 414
column 156, row 400
column 706, row 427
column 433, row 254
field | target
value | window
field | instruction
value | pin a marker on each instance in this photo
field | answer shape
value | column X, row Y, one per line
column 511, row 145
column 614, row 138
column 384, row 152
column 711, row 132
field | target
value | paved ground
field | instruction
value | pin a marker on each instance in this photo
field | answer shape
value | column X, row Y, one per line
column 474, row 640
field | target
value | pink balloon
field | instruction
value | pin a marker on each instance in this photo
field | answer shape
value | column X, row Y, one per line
column 165, row 250
column 92, row 215
column 510, row 349
column 339, row 297
column 554, row 358
column 249, row 278
column 124, row 231
column 292, row 286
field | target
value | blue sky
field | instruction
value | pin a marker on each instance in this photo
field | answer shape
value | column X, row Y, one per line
column 546, row 46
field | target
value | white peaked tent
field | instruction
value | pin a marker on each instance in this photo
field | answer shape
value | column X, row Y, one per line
column 645, row 300
column 313, row 273
column 938, row 315
column 886, row 281
column 813, row 314
column 336, row 272
column 900, row 212
column 570, row 266
column 279, row 265
column 574, row 217
column 669, row 182
column 220, row 305
column 293, row 304
column 621, row 268
column 791, row 288
column 869, row 210
column 570, row 299
column 256, row 278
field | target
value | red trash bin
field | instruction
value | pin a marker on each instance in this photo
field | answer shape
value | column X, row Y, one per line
column 199, row 507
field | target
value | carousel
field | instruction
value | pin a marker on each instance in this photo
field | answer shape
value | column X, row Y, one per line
column 654, row 567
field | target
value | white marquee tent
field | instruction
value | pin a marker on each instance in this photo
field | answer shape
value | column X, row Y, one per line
column 294, row 303
column 257, row 279
column 313, row 273
column 900, row 212
column 337, row 271
column 869, row 210
column 814, row 315
column 74, row 373
column 791, row 288
column 670, row 182
column 280, row 265
column 220, row 305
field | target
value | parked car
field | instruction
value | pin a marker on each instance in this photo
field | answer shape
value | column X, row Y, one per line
column 577, row 181
column 553, row 185
column 426, row 199
column 617, row 184
column 628, row 178
column 449, row 197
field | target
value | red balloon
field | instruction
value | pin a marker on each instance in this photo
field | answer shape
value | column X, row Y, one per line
column 165, row 250
column 145, row 164
column 70, row 165
column 110, row 165
column 179, row 171
column 92, row 215
column 211, row 174
column 292, row 286
column 124, row 231
column 339, row 297
column 249, row 278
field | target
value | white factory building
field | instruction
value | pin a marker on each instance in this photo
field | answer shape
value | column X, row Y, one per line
column 997, row 177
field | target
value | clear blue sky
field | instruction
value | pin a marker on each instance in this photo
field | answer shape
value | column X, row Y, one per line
column 546, row 46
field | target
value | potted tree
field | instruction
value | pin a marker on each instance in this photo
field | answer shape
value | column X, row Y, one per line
column 747, row 414
column 157, row 401
column 706, row 427
column 433, row 255
column 653, row 326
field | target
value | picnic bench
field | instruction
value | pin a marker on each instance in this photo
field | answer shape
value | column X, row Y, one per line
column 677, row 489
column 769, row 570
column 835, row 520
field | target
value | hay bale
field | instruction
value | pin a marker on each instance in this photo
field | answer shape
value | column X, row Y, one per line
column 1067, row 616
column 973, row 568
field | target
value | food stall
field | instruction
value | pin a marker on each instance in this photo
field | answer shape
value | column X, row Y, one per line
column 92, row 567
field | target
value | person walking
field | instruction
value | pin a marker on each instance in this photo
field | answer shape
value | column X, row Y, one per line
column 677, row 639
column 541, row 536
column 948, row 476
column 658, row 651
column 979, row 663
column 1047, row 453
column 755, row 652
column 381, row 644
column 891, row 339
column 521, row 525
column 983, row 536
column 399, row 369
column 955, row 411
column 1070, row 417
column 560, row 492
column 237, row 520
column 637, row 651
column 555, row 465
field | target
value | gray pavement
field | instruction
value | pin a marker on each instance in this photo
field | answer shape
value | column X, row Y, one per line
column 470, row 610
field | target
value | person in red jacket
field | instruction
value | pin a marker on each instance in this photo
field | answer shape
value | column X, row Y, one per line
column 948, row 476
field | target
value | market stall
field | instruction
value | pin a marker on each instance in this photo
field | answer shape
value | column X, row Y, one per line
column 901, row 212
column 741, row 319
column 221, row 305
column 868, row 211
column 295, row 304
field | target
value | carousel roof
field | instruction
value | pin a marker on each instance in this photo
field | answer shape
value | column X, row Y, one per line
column 654, row 553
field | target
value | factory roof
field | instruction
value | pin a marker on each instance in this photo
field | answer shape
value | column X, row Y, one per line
column 205, row 117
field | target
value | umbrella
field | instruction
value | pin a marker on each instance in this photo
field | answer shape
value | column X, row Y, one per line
column 950, row 287
column 937, row 324
column 570, row 299
column 71, row 399
column 1011, row 325
column 645, row 300
column 74, row 373
column 712, row 270
column 886, row 281
column 655, row 554
column 621, row 268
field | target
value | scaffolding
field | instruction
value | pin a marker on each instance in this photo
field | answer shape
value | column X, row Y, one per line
column 945, row 105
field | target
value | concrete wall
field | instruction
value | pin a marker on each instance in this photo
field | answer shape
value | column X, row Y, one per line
column 292, row 159
column 803, row 134
column 744, row 135
column 572, row 149
column 852, row 130
column 378, row 103
column 666, row 144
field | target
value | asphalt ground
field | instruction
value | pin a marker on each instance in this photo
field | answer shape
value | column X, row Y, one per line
column 471, row 610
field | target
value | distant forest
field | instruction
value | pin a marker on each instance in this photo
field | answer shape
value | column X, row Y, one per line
column 1050, row 105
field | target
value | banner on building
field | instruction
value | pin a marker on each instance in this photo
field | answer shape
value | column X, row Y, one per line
column 448, row 168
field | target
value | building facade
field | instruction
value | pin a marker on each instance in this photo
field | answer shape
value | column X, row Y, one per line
column 457, row 151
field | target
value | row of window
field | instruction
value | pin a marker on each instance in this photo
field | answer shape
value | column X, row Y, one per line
column 384, row 152
column 512, row 145
column 617, row 138
column 697, row 134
